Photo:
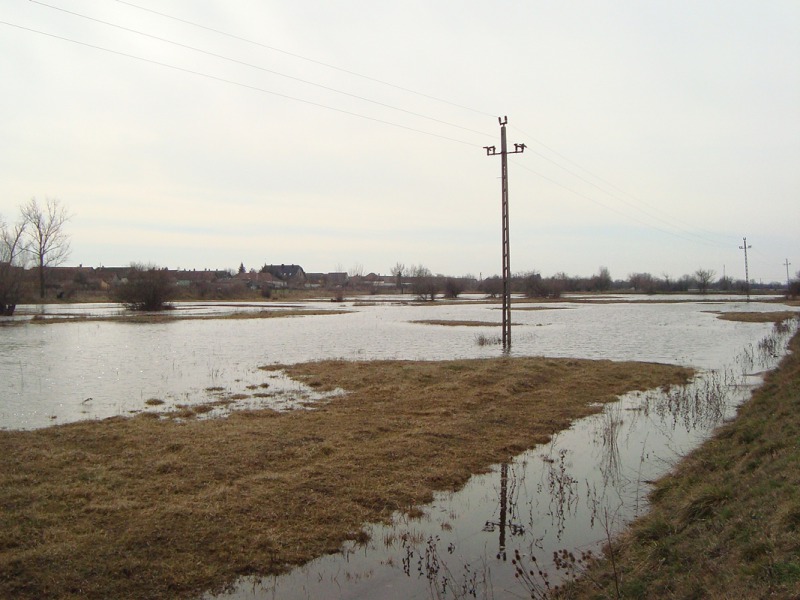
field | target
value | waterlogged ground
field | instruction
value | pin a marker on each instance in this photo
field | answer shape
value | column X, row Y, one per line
column 519, row 530
column 569, row 496
column 60, row 372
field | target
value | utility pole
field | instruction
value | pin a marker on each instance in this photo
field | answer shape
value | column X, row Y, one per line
column 745, row 247
column 492, row 151
column 787, row 264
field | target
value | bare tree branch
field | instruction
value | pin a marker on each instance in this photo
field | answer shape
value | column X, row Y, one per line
column 12, row 265
column 48, row 243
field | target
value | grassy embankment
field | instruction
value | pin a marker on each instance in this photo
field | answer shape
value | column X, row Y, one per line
column 149, row 508
column 726, row 522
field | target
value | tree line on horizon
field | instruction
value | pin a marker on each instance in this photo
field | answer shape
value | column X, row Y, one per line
column 38, row 240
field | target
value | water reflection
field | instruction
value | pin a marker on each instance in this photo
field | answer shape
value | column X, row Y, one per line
column 508, row 521
column 534, row 521
column 48, row 371
column 542, row 512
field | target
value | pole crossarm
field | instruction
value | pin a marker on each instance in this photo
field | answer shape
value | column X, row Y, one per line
column 492, row 150
column 504, row 152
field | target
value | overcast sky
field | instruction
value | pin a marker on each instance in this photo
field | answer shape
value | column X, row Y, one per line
column 347, row 134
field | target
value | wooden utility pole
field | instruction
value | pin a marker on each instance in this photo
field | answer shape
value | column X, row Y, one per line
column 745, row 247
column 787, row 264
column 492, row 151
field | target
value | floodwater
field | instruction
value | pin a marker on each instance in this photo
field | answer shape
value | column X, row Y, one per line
column 62, row 372
column 570, row 495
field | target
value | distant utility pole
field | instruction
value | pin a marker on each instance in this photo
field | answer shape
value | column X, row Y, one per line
column 787, row 264
column 745, row 247
column 492, row 151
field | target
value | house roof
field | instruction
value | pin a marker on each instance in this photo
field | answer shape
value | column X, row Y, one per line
column 285, row 271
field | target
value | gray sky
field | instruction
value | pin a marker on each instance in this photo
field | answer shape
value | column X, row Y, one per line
column 659, row 133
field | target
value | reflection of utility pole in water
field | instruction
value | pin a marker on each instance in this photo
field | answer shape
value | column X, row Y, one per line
column 505, row 515
column 492, row 151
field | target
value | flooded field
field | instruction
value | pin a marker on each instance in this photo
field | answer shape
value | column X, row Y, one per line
column 61, row 372
column 509, row 533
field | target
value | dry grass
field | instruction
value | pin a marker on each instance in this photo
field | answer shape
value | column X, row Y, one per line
column 455, row 323
column 726, row 523
column 535, row 308
column 167, row 317
column 150, row 508
column 758, row 317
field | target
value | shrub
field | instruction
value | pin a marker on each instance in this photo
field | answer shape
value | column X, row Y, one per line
column 453, row 287
column 424, row 284
column 146, row 288
column 491, row 286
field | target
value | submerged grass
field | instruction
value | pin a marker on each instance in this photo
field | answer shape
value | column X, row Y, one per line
column 151, row 508
column 726, row 522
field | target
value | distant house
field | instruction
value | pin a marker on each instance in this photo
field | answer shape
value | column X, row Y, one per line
column 372, row 278
column 65, row 280
column 292, row 275
column 315, row 280
column 336, row 279
column 111, row 276
column 259, row 281
column 191, row 277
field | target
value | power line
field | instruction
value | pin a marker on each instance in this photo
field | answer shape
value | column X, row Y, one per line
column 253, row 66
column 351, row 113
column 606, row 206
column 676, row 223
column 305, row 58
column 237, row 83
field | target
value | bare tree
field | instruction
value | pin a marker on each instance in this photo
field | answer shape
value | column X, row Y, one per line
column 425, row 285
column 398, row 271
column 703, row 278
column 492, row 286
column 48, row 243
column 794, row 286
column 642, row 282
column 12, row 266
column 602, row 281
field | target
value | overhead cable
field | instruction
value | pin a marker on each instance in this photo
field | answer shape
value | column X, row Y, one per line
column 260, row 68
column 669, row 221
column 237, row 83
column 305, row 58
column 607, row 207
